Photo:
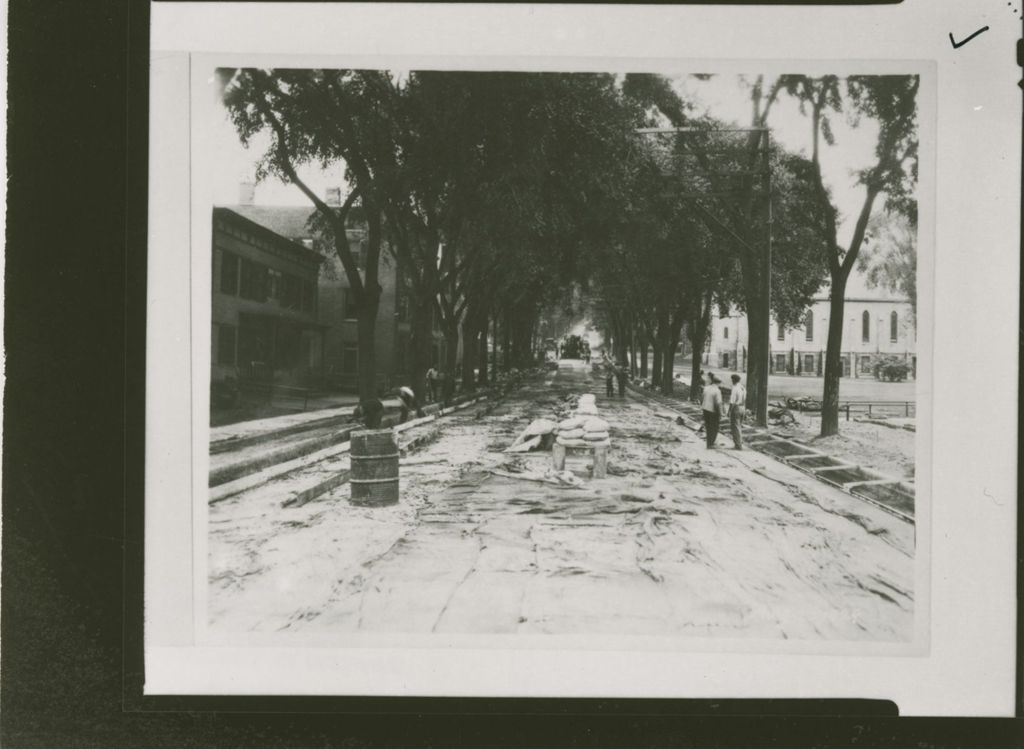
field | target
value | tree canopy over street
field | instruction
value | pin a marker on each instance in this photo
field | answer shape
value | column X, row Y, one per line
column 504, row 196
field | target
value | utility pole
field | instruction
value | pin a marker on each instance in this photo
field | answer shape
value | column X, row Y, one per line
column 761, row 416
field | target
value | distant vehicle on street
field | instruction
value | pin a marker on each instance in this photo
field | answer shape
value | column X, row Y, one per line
column 574, row 347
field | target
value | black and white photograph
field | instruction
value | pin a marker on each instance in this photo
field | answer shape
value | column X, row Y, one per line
column 521, row 374
column 519, row 352
column 560, row 353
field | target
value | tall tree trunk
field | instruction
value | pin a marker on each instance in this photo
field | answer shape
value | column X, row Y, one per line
column 669, row 356
column 483, row 358
column 368, row 307
column 660, row 333
column 667, row 351
column 506, row 341
column 470, row 345
column 695, row 384
column 494, row 345
column 632, row 347
column 758, row 347
column 422, row 343
column 697, row 331
column 618, row 351
column 366, row 320
column 668, row 363
column 657, row 368
column 757, row 367
column 833, row 360
column 621, row 337
column 451, row 365
column 644, row 345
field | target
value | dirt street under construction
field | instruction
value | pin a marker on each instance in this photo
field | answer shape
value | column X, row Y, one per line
column 676, row 539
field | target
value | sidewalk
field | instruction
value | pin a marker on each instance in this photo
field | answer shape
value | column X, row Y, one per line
column 245, row 429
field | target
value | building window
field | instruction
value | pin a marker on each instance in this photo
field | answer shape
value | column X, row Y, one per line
column 275, row 284
column 780, row 362
column 809, row 326
column 348, row 305
column 350, row 359
column 809, row 363
column 893, row 326
column 255, row 281
column 228, row 272
column 725, row 359
column 780, row 333
column 865, row 326
column 725, row 333
column 865, row 365
column 226, row 345
column 290, row 293
column 308, row 297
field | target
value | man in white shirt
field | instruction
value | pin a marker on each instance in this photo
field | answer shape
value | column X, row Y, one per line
column 711, row 405
column 737, row 407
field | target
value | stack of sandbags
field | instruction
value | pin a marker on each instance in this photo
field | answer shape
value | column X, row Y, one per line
column 587, row 405
column 583, row 431
column 570, row 430
column 595, row 430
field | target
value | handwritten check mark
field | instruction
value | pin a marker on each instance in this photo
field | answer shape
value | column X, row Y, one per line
column 958, row 45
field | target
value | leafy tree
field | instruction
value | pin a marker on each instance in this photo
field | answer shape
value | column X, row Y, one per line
column 723, row 171
column 326, row 117
column 888, row 256
column 892, row 102
column 502, row 180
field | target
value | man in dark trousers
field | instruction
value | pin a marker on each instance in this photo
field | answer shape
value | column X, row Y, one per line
column 409, row 403
column 697, row 391
column 432, row 383
column 712, row 408
column 620, row 375
column 609, row 378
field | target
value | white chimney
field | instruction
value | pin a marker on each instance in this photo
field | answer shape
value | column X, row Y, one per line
column 246, row 193
column 333, row 198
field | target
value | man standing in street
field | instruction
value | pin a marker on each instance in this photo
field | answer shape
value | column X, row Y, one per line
column 621, row 372
column 737, row 408
column 432, row 383
column 712, row 408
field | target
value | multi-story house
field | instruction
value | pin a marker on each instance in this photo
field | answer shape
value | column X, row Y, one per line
column 264, row 306
column 335, row 310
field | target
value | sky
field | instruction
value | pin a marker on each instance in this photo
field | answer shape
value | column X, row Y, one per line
column 722, row 96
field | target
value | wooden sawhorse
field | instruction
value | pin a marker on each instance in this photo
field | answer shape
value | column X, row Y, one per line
column 599, row 450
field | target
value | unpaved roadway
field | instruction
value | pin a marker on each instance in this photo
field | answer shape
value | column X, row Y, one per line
column 677, row 540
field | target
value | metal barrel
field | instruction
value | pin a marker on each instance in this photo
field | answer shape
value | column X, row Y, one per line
column 373, row 475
